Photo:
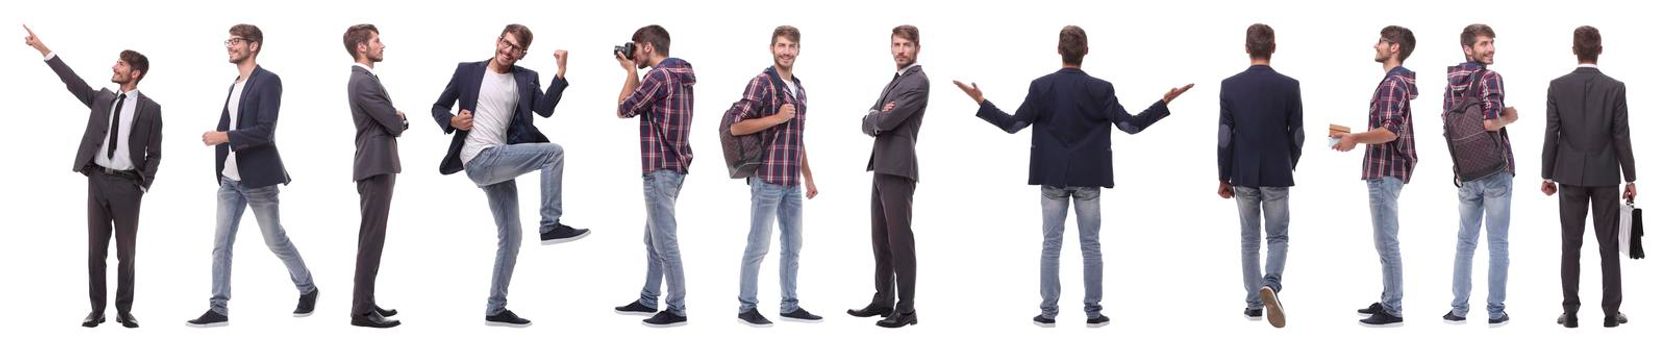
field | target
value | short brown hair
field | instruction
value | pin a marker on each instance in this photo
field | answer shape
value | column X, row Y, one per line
column 1468, row 36
column 1588, row 43
column 654, row 35
column 136, row 62
column 789, row 32
column 1398, row 35
column 1073, row 44
column 250, row 33
column 355, row 35
column 522, row 34
column 1258, row 40
column 907, row 32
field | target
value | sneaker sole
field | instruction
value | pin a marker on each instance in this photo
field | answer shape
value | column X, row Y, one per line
column 634, row 313
column 1098, row 325
column 209, row 325
column 1275, row 310
column 1498, row 324
column 1042, row 324
column 668, row 325
column 800, row 320
column 507, row 324
column 301, row 315
column 1452, row 322
column 1253, row 318
column 564, row 240
column 1390, row 325
column 754, row 325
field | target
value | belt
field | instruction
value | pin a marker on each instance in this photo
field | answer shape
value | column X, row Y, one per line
column 129, row 174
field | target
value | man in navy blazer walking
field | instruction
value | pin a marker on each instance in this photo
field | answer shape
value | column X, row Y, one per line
column 247, row 167
column 1260, row 142
column 1071, row 158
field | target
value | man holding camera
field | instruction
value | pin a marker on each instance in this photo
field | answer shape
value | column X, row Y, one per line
column 665, row 99
column 494, row 141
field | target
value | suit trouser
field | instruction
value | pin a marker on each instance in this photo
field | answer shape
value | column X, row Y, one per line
column 112, row 210
column 1605, row 204
column 894, row 242
column 376, row 195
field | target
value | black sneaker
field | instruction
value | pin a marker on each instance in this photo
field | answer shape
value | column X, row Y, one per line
column 801, row 315
column 1098, row 321
column 209, row 319
column 1253, row 314
column 304, row 307
column 1503, row 319
column 666, row 319
column 1276, row 310
column 1381, row 320
column 1042, row 321
column 562, row 234
column 635, row 308
column 753, row 318
column 507, row 318
column 1452, row 318
column 1376, row 308
column 1568, row 320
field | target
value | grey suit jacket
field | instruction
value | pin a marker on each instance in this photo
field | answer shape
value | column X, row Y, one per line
column 144, row 139
column 376, row 150
column 895, row 131
column 1587, row 139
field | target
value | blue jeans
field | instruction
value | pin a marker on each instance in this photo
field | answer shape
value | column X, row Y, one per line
column 494, row 170
column 1488, row 197
column 773, row 203
column 1255, row 205
column 1055, row 202
column 660, row 189
column 233, row 198
column 1385, row 194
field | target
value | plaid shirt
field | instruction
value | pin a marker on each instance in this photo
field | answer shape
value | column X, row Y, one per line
column 1392, row 110
column 784, row 143
column 665, row 100
column 1459, row 79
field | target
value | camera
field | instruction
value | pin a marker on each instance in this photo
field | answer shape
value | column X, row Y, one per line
column 629, row 50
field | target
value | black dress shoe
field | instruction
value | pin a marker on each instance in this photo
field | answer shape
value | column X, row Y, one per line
column 373, row 320
column 1568, row 320
column 93, row 320
column 385, row 312
column 127, row 320
column 870, row 311
column 304, row 307
column 898, row 320
column 1613, row 321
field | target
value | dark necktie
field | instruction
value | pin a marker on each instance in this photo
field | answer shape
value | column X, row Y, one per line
column 115, row 127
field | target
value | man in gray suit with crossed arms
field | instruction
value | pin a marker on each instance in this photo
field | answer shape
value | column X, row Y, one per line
column 375, row 162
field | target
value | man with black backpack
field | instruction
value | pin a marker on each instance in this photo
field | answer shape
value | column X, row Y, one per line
column 768, row 149
column 1474, row 117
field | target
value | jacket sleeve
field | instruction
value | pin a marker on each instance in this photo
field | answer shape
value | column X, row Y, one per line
column 448, row 99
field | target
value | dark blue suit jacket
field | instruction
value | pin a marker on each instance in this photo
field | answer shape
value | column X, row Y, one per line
column 1073, row 113
column 257, row 110
column 464, row 89
column 1261, row 128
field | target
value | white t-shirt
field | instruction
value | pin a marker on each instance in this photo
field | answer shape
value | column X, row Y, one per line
column 232, row 109
column 492, row 114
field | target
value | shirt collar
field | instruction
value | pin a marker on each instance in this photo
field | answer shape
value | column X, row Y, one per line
column 906, row 69
column 1588, row 65
column 367, row 68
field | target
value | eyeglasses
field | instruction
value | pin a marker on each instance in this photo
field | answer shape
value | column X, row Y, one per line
column 233, row 41
column 517, row 49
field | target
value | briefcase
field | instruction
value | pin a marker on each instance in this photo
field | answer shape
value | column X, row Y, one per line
column 1632, row 230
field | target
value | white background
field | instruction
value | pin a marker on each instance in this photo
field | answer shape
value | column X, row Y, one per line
column 1171, row 246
